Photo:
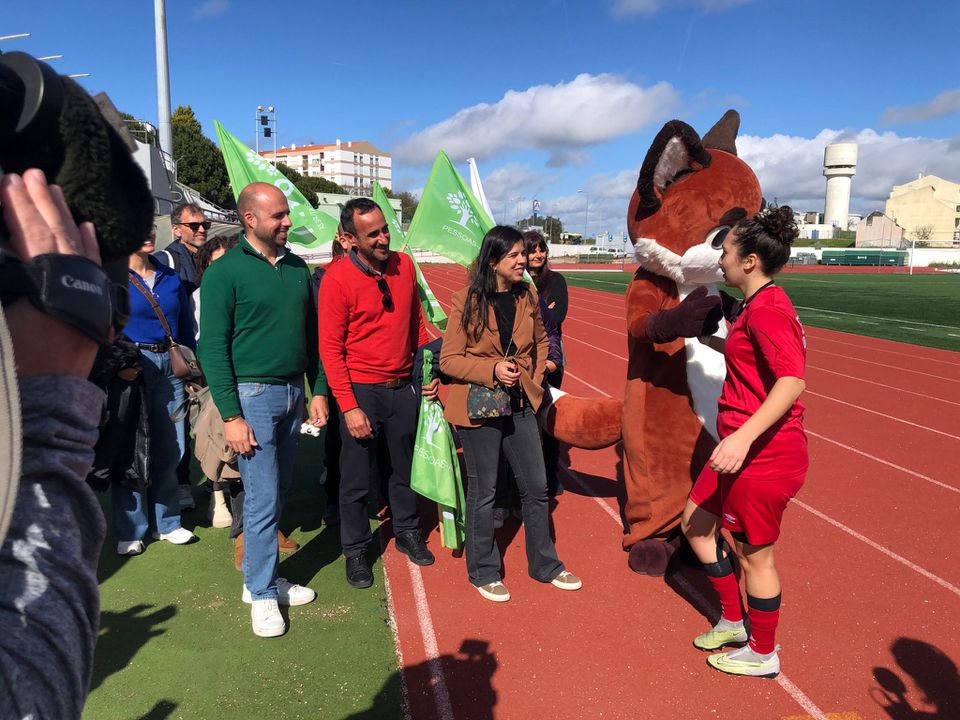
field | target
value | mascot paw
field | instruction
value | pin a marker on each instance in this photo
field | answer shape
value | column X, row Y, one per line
column 651, row 557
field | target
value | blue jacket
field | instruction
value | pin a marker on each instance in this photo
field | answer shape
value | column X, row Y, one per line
column 144, row 325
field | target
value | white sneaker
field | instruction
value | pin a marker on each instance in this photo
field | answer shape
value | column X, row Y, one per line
column 288, row 593
column 567, row 581
column 180, row 536
column 185, row 497
column 220, row 517
column 500, row 516
column 266, row 619
column 133, row 547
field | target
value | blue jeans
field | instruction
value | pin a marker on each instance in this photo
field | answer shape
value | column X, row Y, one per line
column 131, row 507
column 274, row 413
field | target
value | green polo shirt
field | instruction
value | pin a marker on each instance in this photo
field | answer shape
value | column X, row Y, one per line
column 258, row 324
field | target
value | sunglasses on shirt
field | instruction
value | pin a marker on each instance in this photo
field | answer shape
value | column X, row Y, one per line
column 385, row 292
column 194, row 226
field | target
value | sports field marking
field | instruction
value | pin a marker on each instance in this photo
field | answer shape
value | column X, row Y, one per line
column 703, row 605
column 880, row 548
column 876, row 317
column 814, row 335
column 867, row 322
column 898, row 368
column 441, row 694
column 883, row 385
column 884, row 415
column 911, row 329
column 591, row 345
column 395, row 631
column 882, row 461
column 567, row 373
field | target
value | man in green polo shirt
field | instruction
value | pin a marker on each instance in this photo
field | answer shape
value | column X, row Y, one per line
column 259, row 338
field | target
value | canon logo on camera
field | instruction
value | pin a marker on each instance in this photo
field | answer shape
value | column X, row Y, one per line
column 75, row 284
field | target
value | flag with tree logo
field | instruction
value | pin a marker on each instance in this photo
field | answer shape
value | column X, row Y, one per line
column 311, row 229
column 431, row 307
column 435, row 472
column 449, row 221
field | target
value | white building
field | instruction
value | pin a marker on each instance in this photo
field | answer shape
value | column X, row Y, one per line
column 352, row 165
column 839, row 167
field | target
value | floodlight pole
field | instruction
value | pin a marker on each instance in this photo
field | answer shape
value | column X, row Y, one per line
column 164, row 126
column 913, row 250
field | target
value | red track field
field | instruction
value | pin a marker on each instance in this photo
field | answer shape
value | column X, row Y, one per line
column 869, row 560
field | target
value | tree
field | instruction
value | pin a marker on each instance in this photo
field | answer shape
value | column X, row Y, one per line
column 199, row 162
column 923, row 234
column 408, row 203
column 310, row 187
column 552, row 227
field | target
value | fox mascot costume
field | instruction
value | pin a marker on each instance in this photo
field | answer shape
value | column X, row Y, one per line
column 688, row 191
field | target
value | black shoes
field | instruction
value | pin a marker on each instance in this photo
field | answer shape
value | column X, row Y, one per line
column 412, row 545
column 358, row 571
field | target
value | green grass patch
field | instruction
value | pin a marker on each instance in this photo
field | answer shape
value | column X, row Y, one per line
column 918, row 309
column 175, row 639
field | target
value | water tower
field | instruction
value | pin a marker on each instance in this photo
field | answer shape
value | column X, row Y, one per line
column 839, row 167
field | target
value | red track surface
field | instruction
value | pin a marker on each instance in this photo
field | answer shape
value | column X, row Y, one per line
column 868, row 557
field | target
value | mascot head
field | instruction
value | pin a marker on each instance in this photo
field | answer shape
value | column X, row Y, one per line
column 688, row 193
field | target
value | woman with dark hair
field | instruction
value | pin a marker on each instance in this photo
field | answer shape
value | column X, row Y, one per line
column 494, row 352
column 155, row 290
column 761, row 461
column 552, row 288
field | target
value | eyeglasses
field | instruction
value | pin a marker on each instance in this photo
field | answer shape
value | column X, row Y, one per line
column 385, row 292
column 194, row 226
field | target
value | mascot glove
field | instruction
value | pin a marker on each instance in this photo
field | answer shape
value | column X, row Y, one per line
column 697, row 314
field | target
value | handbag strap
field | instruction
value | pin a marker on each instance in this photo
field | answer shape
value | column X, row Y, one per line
column 135, row 279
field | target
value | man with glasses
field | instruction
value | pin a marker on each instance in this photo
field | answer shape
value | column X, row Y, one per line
column 189, row 226
column 371, row 325
column 259, row 338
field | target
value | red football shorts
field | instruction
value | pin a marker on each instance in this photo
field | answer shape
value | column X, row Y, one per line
column 746, row 505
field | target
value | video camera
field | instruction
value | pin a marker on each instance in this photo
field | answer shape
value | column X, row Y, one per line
column 49, row 122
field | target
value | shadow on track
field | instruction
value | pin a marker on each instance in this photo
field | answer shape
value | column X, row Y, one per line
column 932, row 673
column 467, row 675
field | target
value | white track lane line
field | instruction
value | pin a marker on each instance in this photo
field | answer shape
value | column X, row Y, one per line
column 900, row 468
column 883, row 385
column 868, row 348
column 441, row 694
column 392, row 619
column 880, row 548
column 883, row 415
column 706, row 607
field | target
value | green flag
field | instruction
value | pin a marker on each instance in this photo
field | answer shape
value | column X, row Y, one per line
column 431, row 307
column 311, row 228
column 449, row 221
column 435, row 472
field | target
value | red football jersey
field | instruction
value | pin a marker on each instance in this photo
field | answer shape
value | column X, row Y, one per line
column 765, row 343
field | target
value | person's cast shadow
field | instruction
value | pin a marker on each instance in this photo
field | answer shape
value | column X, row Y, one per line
column 467, row 676
column 933, row 673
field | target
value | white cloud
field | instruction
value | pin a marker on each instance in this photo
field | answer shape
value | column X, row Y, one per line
column 791, row 168
column 210, row 8
column 648, row 8
column 587, row 110
column 943, row 104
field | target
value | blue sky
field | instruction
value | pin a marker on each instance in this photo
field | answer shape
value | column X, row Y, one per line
column 551, row 96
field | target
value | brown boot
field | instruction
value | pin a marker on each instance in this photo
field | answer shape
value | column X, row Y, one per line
column 238, row 552
column 286, row 544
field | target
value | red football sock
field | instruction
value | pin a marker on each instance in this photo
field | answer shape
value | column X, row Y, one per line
column 728, row 589
column 763, row 623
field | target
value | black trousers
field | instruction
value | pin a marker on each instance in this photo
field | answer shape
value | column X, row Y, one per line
column 393, row 416
column 517, row 438
column 551, row 446
column 331, row 454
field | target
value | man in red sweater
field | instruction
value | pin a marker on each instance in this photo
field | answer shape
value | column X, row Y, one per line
column 371, row 325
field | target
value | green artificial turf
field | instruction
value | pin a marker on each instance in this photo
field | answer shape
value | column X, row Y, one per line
column 918, row 309
column 175, row 639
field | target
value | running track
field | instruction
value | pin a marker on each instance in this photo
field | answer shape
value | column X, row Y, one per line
column 868, row 557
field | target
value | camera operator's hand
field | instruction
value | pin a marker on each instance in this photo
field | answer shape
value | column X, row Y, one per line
column 39, row 222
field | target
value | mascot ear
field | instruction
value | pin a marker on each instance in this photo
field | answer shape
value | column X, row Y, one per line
column 723, row 135
column 675, row 152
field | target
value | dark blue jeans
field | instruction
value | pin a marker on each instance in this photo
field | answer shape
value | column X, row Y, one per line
column 518, row 438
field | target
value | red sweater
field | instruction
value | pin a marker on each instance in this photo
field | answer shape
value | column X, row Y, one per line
column 361, row 341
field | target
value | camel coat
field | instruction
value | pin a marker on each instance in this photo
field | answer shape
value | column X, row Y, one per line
column 467, row 361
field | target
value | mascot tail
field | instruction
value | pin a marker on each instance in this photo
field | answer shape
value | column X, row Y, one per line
column 587, row 423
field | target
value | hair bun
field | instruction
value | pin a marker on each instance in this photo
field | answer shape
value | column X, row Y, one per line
column 778, row 224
